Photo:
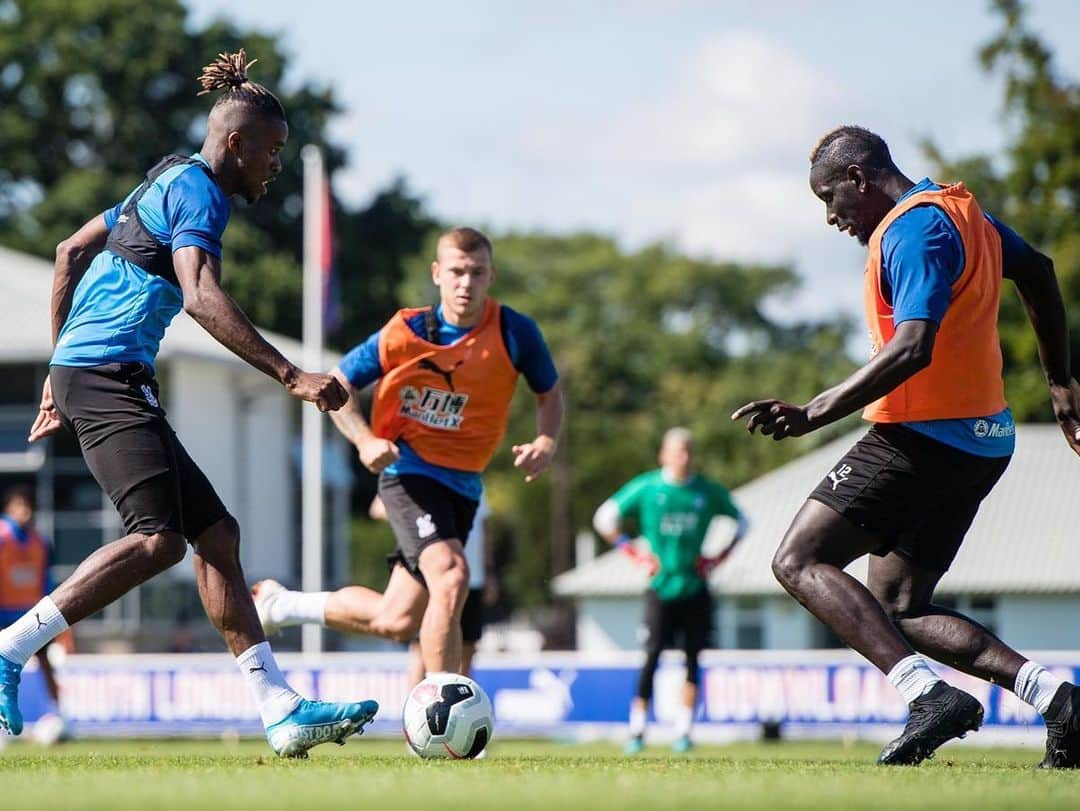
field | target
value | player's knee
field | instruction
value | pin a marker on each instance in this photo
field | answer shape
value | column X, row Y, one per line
column 450, row 583
column 166, row 548
column 787, row 568
column 227, row 532
column 221, row 541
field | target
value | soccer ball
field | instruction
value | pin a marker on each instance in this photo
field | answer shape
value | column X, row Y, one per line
column 447, row 716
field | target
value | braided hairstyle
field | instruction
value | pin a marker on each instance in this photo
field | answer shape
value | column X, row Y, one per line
column 229, row 73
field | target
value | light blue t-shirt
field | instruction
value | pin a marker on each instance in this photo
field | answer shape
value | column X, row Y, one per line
column 922, row 255
column 119, row 312
column 528, row 353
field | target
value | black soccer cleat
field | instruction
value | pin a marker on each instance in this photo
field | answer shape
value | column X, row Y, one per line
column 1063, row 729
column 942, row 713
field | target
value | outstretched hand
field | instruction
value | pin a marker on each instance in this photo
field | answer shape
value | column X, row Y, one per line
column 775, row 418
column 47, row 421
column 534, row 457
column 1066, row 402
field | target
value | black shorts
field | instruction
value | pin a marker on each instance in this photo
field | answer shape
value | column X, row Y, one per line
column 422, row 512
column 131, row 450
column 918, row 494
column 686, row 622
column 472, row 616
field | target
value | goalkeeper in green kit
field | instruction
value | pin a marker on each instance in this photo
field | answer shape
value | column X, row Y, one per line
column 673, row 507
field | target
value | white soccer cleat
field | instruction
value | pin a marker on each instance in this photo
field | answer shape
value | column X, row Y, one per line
column 266, row 593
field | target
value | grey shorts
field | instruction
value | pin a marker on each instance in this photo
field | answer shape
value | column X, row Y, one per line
column 423, row 511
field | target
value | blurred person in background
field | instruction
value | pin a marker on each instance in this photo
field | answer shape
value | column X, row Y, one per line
column 673, row 508
column 25, row 559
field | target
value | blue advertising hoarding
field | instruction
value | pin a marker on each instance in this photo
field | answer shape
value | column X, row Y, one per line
column 824, row 693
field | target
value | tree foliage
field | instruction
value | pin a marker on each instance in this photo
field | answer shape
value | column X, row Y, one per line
column 94, row 92
column 1035, row 189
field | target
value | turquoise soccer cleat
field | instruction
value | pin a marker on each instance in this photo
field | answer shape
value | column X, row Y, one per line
column 634, row 745
column 10, row 716
column 682, row 745
column 315, row 722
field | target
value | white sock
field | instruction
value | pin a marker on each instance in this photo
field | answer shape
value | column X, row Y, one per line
column 299, row 607
column 684, row 720
column 912, row 677
column 273, row 695
column 638, row 716
column 1036, row 685
column 32, row 631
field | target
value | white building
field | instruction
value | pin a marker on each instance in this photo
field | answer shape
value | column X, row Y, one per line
column 240, row 426
column 1018, row 571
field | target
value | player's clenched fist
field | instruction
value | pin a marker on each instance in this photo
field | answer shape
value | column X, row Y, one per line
column 377, row 453
column 322, row 389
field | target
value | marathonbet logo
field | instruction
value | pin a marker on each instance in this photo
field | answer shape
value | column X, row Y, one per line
column 988, row 429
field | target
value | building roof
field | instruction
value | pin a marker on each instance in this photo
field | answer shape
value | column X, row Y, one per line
column 1023, row 539
column 25, row 291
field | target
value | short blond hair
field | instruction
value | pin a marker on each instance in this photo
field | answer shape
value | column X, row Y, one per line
column 467, row 239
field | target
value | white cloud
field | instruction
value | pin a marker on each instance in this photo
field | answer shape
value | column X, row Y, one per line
column 744, row 98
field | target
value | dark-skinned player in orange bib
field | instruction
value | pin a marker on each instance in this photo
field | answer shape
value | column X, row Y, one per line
column 941, row 436
column 446, row 376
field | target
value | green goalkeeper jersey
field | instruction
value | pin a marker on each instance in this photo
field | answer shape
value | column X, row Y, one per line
column 674, row 518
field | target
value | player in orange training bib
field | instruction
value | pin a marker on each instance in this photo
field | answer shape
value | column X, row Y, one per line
column 446, row 376
column 941, row 437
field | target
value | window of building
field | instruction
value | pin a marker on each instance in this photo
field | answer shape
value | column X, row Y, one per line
column 21, row 385
column 741, row 623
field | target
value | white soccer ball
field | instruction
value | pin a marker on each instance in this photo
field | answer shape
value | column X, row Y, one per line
column 49, row 730
column 447, row 716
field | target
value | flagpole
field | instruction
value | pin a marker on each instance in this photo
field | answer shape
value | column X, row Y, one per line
column 312, row 426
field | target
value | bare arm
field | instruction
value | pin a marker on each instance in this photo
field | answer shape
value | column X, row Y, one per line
column 909, row 351
column 549, row 414
column 607, row 522
column 534, row 457
column 1035, row 280
column 73, row 257
column 199, row 274
column 375, row 452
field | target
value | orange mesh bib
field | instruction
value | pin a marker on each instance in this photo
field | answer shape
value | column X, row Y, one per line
column 964, row 376
column 449, row 403
column 22, row 569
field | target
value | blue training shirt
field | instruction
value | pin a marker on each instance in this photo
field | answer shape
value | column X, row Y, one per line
column 119, row 312
column 527, row 350
column 922, row 255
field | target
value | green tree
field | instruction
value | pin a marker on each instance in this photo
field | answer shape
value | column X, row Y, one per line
column 94, row 92
column 1036, row 190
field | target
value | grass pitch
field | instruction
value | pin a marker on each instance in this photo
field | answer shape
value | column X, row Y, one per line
column 379, row 774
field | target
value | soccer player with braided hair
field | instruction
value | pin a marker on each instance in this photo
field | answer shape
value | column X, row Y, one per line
column 119, row 281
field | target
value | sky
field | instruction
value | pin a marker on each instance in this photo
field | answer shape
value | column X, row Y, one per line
column 648, row 119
